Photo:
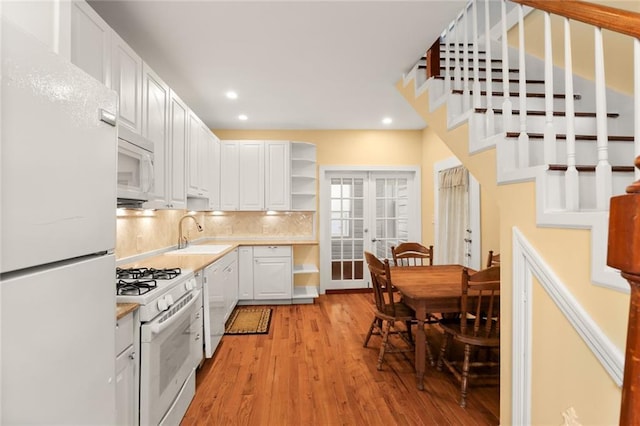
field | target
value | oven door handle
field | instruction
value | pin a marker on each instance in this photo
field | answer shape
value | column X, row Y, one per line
column 159, row 327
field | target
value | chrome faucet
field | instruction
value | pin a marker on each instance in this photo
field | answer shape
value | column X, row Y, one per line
column 182, row 240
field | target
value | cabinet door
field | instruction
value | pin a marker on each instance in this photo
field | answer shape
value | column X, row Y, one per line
column 125, row 387
column 277, row 175
column 272, row 278
column 90, row 42
column 214, row 173
column 213, row 279
column 229, row 176
column 204, row 167
column 178, row 114
column 155, row 106
column 127, row 81
column 245, row 273
column 251, row 155
column 230, row 285
column 194, row 147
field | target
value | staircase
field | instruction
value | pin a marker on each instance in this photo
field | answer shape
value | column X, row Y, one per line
column 573, row 136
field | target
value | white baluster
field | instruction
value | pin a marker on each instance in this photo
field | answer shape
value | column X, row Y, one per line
column 550, row 155
column 523, row 138
column 447, row 63
column 490, row 119
column 457, row 71
column 603, row 169
column 476, row 61
column 571, row 176
column 636, row 108
column 466, row 101
column 506, row 104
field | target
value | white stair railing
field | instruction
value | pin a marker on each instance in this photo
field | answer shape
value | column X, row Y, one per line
column 476, row 56
column 447, row 62
column 571, row 175
column 457, row 71
column 507, row 108
column 549, row 132
column 603, row 168
column 466, row 100
column 489, row 116
column 523, row 138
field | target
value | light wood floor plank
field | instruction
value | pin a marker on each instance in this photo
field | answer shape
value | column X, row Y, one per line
column 311, row 369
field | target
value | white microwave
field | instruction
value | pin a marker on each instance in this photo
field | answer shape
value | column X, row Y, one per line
column 135, row 168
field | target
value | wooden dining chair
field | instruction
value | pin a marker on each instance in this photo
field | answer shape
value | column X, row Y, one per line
column 388, row 312
column 493, row 259
column 412, row 254
column 477, row 327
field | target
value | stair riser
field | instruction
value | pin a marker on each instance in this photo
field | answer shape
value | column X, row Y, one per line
column 537, row 104
column 620, row 153
column 537, row 124
column 556, row 195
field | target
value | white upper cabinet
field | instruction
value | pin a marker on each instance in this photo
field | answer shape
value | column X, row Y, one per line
column 155, row 120
column 47, row 21
column 194, row 189
column 277, row 175
column 176, row 152
column 229, row 176
column 251, row 157
column 90, row 42
column 126, row 79
column 214, row 172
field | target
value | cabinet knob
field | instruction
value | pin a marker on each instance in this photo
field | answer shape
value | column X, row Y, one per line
column 132, row 356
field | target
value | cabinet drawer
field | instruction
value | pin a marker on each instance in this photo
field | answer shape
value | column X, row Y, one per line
column 271, row 251
column 124, row 333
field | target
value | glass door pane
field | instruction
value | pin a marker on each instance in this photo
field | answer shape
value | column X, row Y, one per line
column 347, row 231
column 391, row 214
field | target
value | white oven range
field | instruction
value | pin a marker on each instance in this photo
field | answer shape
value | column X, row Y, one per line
column 170, row 338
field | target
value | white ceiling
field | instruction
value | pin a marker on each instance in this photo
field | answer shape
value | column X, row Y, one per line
column 294, row 64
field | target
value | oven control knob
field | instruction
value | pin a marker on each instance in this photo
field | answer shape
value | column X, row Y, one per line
column 162, row 304
column 188, row 285
column 169, row 299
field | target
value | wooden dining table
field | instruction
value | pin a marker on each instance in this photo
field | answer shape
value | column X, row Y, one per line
column 428, row 289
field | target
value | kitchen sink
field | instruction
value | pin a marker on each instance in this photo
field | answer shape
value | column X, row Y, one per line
column 201, row 249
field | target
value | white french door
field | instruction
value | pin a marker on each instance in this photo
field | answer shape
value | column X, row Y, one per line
column 364, row 211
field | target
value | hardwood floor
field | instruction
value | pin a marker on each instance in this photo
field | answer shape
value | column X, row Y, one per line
column 311, row 369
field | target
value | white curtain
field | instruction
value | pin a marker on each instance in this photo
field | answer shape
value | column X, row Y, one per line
column 453, row 215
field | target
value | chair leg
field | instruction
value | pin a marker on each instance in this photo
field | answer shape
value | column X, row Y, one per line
column 385, row 340
column 409, row 334
column 376, row 321
column 464, row 383
column 443, row 349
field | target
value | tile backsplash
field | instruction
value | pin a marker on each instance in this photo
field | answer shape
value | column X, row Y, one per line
column 141, row 231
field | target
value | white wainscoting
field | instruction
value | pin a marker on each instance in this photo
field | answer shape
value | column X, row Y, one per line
column 526, row 265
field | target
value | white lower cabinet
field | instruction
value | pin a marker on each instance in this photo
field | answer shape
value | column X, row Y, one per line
column 266, row 273
column 127, row 373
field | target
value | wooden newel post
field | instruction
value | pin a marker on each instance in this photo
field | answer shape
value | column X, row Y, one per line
column 624, row 254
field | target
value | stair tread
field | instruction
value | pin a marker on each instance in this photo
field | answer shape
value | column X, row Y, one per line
column 442, row 58
column 615, row 138
column 517, row 94
column 555, row 113
column 590, row 168
column 496, row 80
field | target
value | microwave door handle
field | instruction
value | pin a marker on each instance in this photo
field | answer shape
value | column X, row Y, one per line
column 158, row 328
column 147, row 167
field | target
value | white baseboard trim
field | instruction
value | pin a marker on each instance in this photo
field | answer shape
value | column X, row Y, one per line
column 527, row 264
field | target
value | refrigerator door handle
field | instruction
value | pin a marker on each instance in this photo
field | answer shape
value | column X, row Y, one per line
column 108, row 117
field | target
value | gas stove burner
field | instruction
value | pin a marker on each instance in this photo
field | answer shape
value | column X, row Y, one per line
column 164, row 274
column 131, row 273
column 134, row 288
column 151, row 273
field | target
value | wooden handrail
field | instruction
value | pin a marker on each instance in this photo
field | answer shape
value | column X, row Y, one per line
column 610, row 18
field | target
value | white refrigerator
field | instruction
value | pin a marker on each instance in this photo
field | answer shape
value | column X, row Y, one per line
column 57, row 269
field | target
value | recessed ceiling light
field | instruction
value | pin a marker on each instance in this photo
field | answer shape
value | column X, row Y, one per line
column 232, row 95
column 387, row 120
column 243, row 117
